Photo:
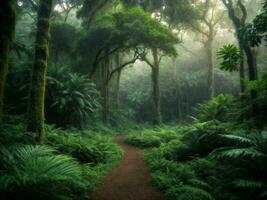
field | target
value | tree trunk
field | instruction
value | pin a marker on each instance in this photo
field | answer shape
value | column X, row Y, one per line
column 36, row 115
column 7, row 24
column 117, row 95
column 156, row 90
column 177, row 92
column 105, row 91
column 252, row 74
column 211, row 85
column 242, row 71
column 117, row 103
column 239, row 23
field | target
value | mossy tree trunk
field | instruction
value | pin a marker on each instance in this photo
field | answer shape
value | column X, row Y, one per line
column 36, row 114
column 7, row 24
column 155, row 89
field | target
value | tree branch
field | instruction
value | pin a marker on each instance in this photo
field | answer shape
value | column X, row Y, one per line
column 98, row 59
column 136, row 57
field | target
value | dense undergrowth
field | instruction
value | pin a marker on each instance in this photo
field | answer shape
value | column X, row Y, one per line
column 68, row 166
column 218, row 156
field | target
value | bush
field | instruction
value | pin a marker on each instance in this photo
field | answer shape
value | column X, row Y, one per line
column 72, row 99
column 218, row 108
column 15, row 134
column 177, row 181
column 36, row 172
column 69, row 166
column 153, row 137
column 91, row 150
column 209, row 160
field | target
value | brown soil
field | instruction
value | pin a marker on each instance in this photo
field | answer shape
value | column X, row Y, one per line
column 130, row 181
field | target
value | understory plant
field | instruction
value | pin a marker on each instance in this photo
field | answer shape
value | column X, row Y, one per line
column 68, row 166
column 72, row 99
column 216, row 157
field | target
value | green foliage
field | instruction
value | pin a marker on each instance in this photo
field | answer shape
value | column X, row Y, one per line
column 256, row 31
column 63, row 41
column 144, row 30
column 230, row 58
column 72, row 99
column 176, row 180
column 91, row 150
column 258, row 119
column 152, row 137
column 90, row 9
column 218, row 108
column 35, row 172
column 69, row 166
column 126, row 30
column 248, row 155
column 208, row 159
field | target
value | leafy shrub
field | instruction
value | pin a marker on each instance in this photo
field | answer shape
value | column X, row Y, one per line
column 218, row 108
column 152, row 137
column 144, row 140
column 197, row 141
column 36, row 172
column 254, row 111
column 70, row 167
column 92, row 150
column 72, row 99
column 177, row 181
column 12, row 134
column 248, row 156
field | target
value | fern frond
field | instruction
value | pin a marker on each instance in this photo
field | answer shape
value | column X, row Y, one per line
column 199, row 184
column 189, row 193
column 245, row 183
column 239, row 139
column 235, row 153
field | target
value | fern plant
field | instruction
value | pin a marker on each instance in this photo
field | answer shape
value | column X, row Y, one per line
column 218, row 108
column 248, row 156
column 91, row 150
column 36, row 172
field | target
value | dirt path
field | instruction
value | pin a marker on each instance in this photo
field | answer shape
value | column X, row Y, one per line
column 130, row 181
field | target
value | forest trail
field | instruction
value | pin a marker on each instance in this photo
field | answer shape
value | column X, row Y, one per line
column 130, row 180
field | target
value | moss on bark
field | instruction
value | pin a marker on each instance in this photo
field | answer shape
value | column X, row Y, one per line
column 36, row 114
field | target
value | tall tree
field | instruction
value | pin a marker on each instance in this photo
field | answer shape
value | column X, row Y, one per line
column 207, row 26
column 238, row 14
column 7, row 24
column 36, row 115
column 155, row 67
column 135, row 31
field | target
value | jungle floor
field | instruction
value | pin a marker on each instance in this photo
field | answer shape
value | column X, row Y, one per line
column 130, row 180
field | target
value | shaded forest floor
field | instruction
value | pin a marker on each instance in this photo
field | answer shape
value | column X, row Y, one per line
column 130, row 180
